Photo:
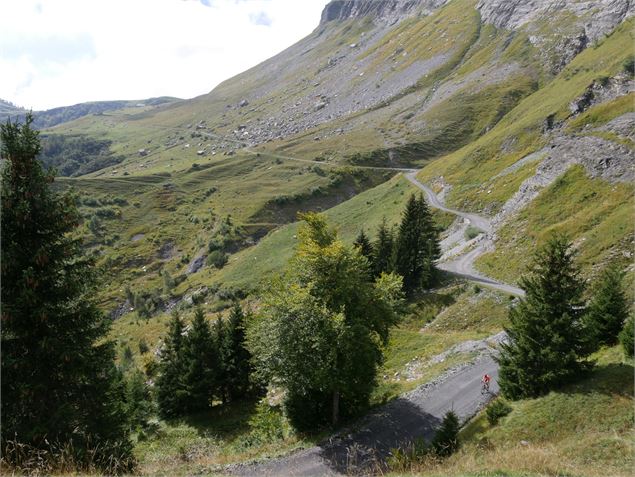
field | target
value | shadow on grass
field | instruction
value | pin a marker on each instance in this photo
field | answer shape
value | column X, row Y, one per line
column 611, row 379
column 225, row 421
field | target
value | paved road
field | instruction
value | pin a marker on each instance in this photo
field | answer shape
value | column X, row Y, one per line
column 412, row 416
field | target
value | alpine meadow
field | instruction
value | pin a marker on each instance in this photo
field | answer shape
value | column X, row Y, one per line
column 402, row 246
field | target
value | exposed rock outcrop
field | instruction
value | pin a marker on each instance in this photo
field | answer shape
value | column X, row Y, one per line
column 386, row 10
column 597, row 17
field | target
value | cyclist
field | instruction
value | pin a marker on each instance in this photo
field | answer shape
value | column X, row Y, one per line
column 485, row 382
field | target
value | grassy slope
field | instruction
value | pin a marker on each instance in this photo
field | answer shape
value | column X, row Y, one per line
column 596, row 215
column 583, row 429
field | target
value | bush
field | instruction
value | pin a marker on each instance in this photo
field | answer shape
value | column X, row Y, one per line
column 497, row 409
column 217, row 259
column 626, row 336
column 446, row 440
column 267, row 424
column 629, row 65
column 472, row 232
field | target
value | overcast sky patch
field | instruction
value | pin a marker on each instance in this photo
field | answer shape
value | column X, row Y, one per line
column 62, row 52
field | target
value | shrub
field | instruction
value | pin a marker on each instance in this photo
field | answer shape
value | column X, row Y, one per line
column 497, row 409
column 446, row 440
column 472, row 232
column 267, row 423
column 217, row 259
column 629, row 65
column 626, row 336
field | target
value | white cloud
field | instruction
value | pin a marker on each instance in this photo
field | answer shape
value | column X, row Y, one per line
column 60, row 52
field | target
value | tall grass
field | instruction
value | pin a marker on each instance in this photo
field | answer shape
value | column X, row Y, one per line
column 89, row 458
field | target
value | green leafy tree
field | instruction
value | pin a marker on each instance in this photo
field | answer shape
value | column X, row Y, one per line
column 417, row 246
column 170, row 386
column 322, row 326
column 626, row 336
column 234, row 356
column 383, row 250
column 362, row 242
column 446, row 439
column 608, row 310
column 201, row 362
column 547, row 339
column 59, row 380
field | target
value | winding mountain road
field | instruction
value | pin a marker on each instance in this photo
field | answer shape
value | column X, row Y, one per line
column 414, row 415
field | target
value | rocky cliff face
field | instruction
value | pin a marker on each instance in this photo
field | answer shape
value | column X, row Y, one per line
column 380, row 10
column 597, row 17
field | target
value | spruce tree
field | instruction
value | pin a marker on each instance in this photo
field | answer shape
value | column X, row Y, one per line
column 362, row 243
column 608, row 310
column 235, row 356
column 201, row 361
column 547, row 342
column 446, row 439
column 170, row 385
column 139, row 404
column 220, row 343
column 417, row 246
column 383, row 250
column 59, row 380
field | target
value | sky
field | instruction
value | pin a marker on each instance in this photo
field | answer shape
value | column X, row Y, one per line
column 62, row 52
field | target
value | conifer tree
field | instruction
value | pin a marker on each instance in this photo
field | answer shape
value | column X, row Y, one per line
column 608, row 310
column 59, row 380
column 171, row 392
column 221, row 345
column 235, row 358
column 200, row 362
column 383, row 250
column 417, row 246
column 362, row 243
column 139, row 404
column 446, row 439
column 547, row 342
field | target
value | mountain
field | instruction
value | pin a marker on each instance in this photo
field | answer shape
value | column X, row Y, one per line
column 517, row 117
column 53, row 117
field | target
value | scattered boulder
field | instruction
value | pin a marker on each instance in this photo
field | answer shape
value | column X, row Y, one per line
column 243, row 103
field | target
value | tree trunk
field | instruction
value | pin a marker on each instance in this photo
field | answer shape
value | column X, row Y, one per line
column 336, row 408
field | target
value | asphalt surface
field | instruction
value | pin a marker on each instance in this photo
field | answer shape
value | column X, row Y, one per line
column 412, row 416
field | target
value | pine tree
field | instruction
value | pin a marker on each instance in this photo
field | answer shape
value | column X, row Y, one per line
column 547, row 342
column 362, row 243
column 417, row 246
column 446, row 439
column 383, row 250
column 171, row 392
column 626, row 336
column 201, row 362
column 235, row 356
column 59, row 380
column 608, row 310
